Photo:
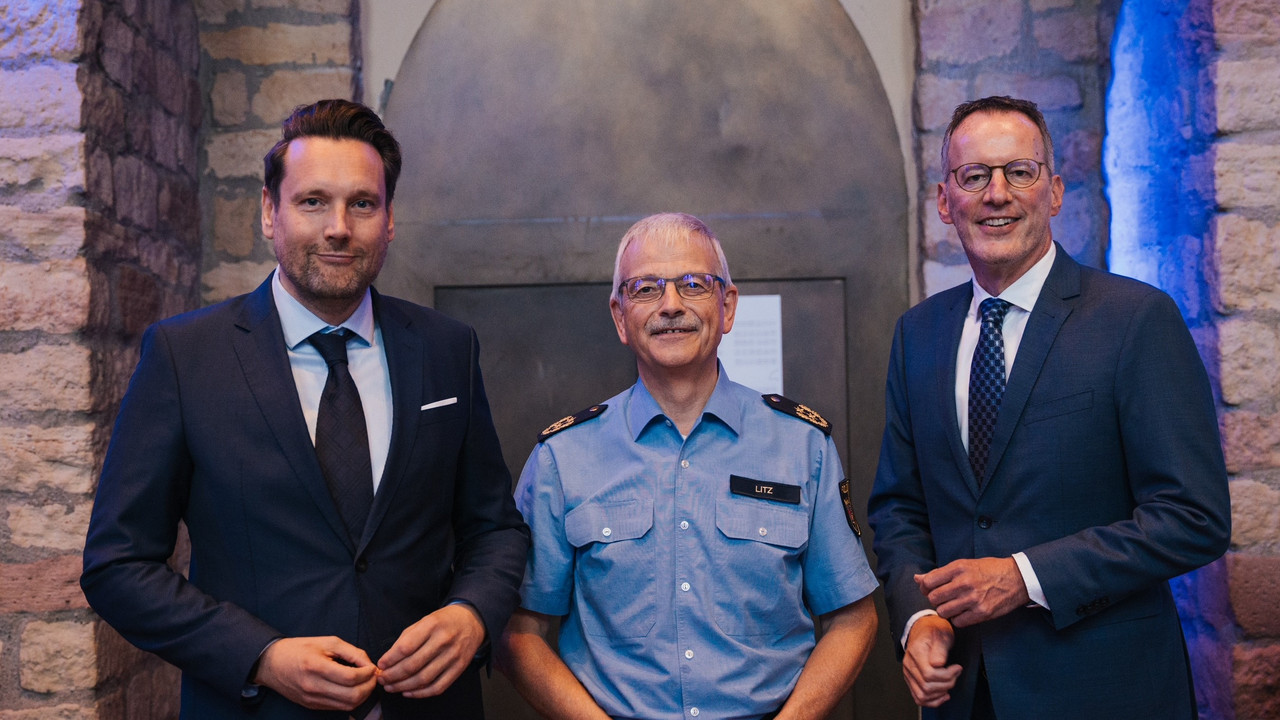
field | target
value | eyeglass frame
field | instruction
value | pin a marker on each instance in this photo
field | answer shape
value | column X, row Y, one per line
column 662, row 286
column 991, row 174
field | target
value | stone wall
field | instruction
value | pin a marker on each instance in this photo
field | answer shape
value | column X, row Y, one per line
column 1247, row 295
column 262, row 58
column 99, row 111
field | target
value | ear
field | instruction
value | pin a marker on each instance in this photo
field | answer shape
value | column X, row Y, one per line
column 268, row 215
column 944, row 210
column 391, row 222
column 1057, row 189
column 615, row 309
column 730, row 307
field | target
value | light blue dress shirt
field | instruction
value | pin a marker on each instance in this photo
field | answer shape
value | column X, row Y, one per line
column 684, row 599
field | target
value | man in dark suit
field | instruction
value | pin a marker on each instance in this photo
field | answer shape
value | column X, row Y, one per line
column 354, row 543
column 1050, row 459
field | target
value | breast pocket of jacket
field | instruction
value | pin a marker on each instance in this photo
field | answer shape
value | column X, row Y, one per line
column 615, row 571
column 759, row 584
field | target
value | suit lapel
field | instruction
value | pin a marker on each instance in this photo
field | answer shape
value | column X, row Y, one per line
column 953, row 327
column 260, row 347
column 406, row 357
column 1051, row 310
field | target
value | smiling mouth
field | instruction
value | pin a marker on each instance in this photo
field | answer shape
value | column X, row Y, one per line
column 671, row 331
column 996, row 222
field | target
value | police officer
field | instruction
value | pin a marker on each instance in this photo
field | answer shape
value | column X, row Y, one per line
column 687, row 531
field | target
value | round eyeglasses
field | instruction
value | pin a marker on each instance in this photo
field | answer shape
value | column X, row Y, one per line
column 1020, row 174
column 691, row 286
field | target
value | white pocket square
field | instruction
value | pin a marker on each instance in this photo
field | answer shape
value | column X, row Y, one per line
column 440, row 403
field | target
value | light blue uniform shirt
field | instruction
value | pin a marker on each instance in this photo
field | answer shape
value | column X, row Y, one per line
column 684, row 599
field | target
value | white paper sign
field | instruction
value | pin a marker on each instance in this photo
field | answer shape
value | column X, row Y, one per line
column 752, row 351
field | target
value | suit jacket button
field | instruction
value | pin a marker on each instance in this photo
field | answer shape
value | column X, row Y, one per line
column 362, row 565
column 984, row 522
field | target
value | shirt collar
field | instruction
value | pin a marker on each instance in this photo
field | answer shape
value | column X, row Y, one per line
column 1025, row 290
column 642, row 409
column 299, row 323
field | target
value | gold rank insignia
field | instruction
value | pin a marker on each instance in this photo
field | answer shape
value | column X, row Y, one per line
column 570, row 421
column 804, row 412
column 848, row 508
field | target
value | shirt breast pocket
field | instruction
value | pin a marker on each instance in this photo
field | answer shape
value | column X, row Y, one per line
column 759, row 588
column 615, row 571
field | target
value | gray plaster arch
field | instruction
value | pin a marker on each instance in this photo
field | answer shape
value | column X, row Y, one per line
column 535, row 133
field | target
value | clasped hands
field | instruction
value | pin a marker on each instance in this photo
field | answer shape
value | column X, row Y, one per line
column 328, row 673
column 964, row 592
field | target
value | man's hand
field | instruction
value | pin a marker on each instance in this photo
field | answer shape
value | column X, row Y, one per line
column 925, row 667
column 320, row 673
column 968, row 592
column 431, row 653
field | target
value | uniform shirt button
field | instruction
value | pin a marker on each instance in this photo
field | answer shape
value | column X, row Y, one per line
column 688, row 654
column 684, row 524
column 362, row 565
column 684, row 463
column 684, row 586
column 984, row 522
column 606, row 532
column 693, row 712
column 763, row 532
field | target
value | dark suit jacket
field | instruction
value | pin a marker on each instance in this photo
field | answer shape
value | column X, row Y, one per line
column 211, row 432
column 1106, row 469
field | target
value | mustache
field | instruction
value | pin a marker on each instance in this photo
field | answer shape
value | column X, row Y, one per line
column 664, row 324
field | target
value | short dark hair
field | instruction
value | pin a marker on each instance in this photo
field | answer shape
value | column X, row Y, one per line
column 339, row 120
column 998, row 103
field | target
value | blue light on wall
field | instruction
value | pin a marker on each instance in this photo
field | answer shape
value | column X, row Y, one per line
column 1159, row 131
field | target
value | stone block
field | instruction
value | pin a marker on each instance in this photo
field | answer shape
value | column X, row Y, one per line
column 1255, row 516
column 52, row 296
column 166, row 137
column 42, row 29
column 1238, row 23
column 230, row 98
column 59, row 457
column 939, row 277
column 58, row 657
column 215, row 12
column 324, row 7
column 1248, row 95
column 46, row 585
column 278, row 43
column 58, row 234
column 947, row 30
column 936, row 98
column 1250, row 440
column 1079, row 156
column 1073, row 36
column 61, row 711
column 239, row 154
column 236, row 225
column 1247, row 175
column 1076, row 225
column 56, row 527
column 171, row 82
column 1050, row 92
column 1248, row 349
column 284, row 90
column 54, row 163
column 136, row 186
column 1042, row 5
column 117, row 51
column 46, row 377
column 1247, row 264
column 234, row 278
column 43, row 97
column 138, row 295
column 1257, row 683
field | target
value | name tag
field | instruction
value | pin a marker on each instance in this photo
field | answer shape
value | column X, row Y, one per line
column 778, row 492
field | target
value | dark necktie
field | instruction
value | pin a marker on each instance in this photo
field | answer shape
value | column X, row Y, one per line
column 986, row 384
column 342, row 440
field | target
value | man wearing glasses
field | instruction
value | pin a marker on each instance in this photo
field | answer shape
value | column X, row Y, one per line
column 1050, row 460
column 688, row 531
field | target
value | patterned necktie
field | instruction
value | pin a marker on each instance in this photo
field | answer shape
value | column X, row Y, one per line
column 986, row 384
column 342, row 440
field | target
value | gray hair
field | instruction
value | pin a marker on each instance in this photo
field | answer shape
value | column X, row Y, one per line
column 669, row 227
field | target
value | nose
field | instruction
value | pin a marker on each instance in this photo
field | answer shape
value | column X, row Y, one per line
column 337, row 227
column 671, row 302
column 997, row 190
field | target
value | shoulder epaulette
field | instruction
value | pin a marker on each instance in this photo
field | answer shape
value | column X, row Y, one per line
column 795, row 409
column 570, row 421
